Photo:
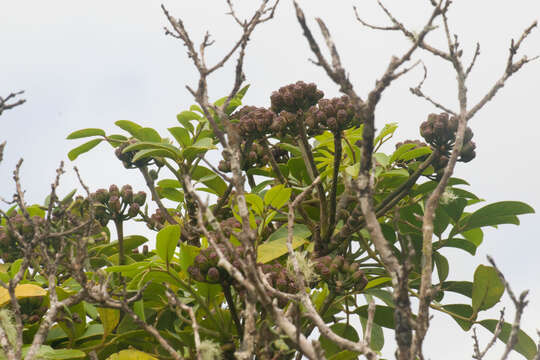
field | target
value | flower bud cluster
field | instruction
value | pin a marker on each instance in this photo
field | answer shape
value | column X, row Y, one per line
column 113, row 203
column 439, row 130
column 335, row 114
column 10, row 249
column 340, row 275
column 294, row 97
column 254, row 122
column 205, row 266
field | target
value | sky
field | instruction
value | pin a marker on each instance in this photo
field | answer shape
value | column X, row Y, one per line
column 88, row 64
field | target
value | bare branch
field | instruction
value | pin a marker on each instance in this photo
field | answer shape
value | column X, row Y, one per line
column 4, row 105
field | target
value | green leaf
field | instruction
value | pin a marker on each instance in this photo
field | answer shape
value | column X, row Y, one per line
column 271, row 250
column 200, row 173
column 442, row 266
column 377, row 335
column 277, row 196
column 85, row 133
column 148, row 134
column 201, row 146
column 166, row 242
column 345, row 355
column 109, row 318
column 81, row 149
column 138, row 308
column 256, row 203
column 145, row 145
column 387, row 130
column 295, row 150
column 130, row 242
column 475, row 236
column 384, row 315
column 242, row 92
column 169, row 183
column 525, row 345
column 415, row 153
column 130, row 355
column 463, row 311
column 129, row 126
column 171, row 194
column 377, row 282
column 461, row 287
column 153, row 153
column 185, row 117
column 48, row 353
column 487, row 288
column 344, row 330
column 503, row 212
column 400, row 151
column 187, row 255
column 181, row 135
column 462, row 244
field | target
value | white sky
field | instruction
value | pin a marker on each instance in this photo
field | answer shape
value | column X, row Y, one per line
column 88, row 64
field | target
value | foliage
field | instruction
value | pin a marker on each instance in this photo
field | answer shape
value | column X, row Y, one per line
column 299, row 237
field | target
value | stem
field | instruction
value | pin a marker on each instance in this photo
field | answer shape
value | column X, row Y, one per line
column 232, row 307
column 119, row 224
column 333, row 191
column 305, row 148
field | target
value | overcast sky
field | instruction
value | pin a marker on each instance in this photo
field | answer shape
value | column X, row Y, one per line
column 88, row 64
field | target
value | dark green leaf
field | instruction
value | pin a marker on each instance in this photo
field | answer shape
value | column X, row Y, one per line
column 344, row 330
column 461, row 287
column 503, row 212
column 400, row 151
column 462, row 244
column 81, row 149
column 215, row 183
column 384, row 315
column 442, row 266
column 525, row 345
column 462, row 311
column 377, row 335
column 85, row 133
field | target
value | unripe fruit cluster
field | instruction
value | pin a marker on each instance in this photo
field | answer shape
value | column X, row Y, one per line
column 294, row 97
column 127, row 157
column 279, row 277
column 340, row 275
column 157, row 220
column 113, row 203
column 439, row 130
column 257, row 156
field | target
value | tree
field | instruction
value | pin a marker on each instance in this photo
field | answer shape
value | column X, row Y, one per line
column 329, row 238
